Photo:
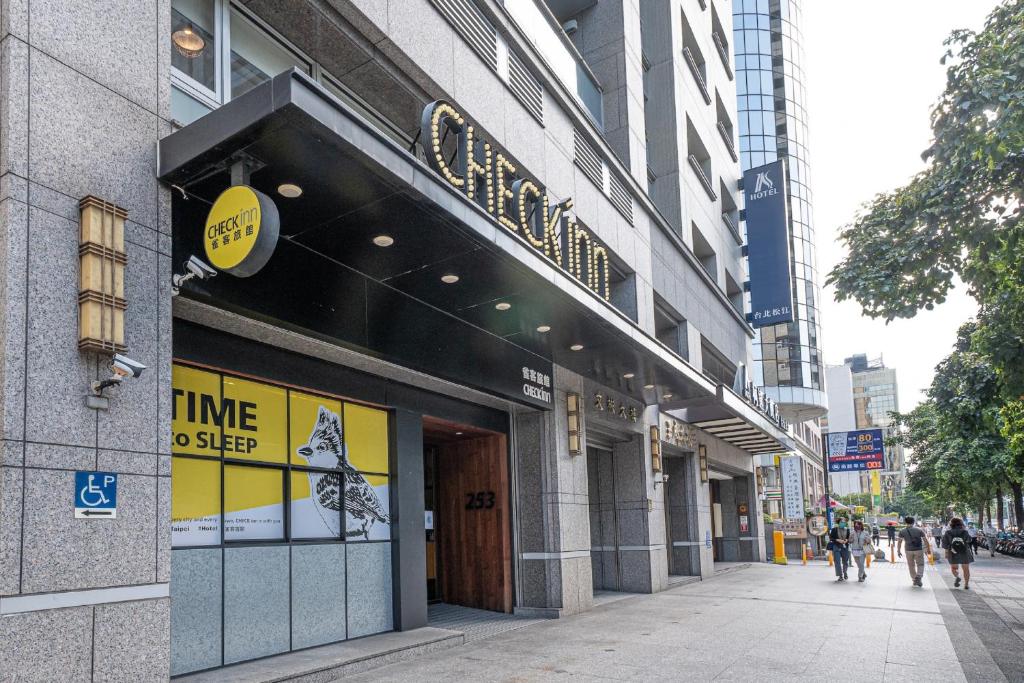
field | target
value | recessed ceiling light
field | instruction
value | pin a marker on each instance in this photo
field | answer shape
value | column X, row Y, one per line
column 648, row 386
column 289, row 190
column 666, row 396
column 576, row 347
column 628, row 375
column 450, row 278
column 543, row 328
column 383, row 240
column 458, row 433
column 503, row 306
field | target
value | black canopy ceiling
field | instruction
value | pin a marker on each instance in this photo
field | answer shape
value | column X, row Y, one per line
column 327, row 277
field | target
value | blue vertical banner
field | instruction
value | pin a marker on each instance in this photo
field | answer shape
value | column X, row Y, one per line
column 767, row 218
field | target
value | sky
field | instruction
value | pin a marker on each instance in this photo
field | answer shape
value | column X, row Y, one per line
column 872, row 77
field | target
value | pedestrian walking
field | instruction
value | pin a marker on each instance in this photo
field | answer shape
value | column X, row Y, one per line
column 991, row 538
column 917, row 543
column 957, row 544
column 972, row 531
column 839, row 542
column 937, row 534
column 891, row 531
column 860, row 547
column 875, row 534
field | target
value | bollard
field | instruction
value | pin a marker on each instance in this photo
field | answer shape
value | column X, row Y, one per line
column 830, row 561
column 869, row 558
column 892, row 554
column 931, row 559
column 803, row 554
column 780, row 548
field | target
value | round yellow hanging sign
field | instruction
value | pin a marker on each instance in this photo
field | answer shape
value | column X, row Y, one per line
column 241, row 231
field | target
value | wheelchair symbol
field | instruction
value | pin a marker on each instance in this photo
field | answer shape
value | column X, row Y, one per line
column 95, row 494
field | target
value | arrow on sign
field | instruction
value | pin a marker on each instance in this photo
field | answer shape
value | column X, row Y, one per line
column 102, row 513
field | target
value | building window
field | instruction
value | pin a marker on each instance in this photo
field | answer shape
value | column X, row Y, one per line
column 734, row 292
column 715, row 364
column 694, row 59
column 670, row 329
column 704, row 253
column 699, row 159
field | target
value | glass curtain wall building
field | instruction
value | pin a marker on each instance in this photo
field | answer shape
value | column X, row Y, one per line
column 773, row 124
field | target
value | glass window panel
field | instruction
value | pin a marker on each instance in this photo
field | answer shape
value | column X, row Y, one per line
column 253, row 503
column 367, row 507
column 316, row 504
column 195, row 502
column 255, row 56
column 184, row 108
column 193, row 46
column 255, row 420
column 367, row 438
column 317, row 435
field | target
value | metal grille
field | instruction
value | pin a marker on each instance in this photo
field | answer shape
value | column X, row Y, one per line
column 620, row 198
column 525, row 87
column 473, row 27
column 586, row 158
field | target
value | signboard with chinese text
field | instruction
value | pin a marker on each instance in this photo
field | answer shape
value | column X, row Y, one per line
column 792, row 488
column 854, row 451
column 767, row 219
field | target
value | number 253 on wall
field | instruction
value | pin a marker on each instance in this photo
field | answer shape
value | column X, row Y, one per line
column 481, row 500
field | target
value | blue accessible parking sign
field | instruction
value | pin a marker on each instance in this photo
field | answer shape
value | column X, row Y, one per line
column 95, row 495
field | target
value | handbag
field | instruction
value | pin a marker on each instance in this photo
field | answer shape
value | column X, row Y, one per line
column 868, row 548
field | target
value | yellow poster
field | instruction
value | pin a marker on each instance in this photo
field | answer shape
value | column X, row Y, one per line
column 194, row 413
column 366, row 435
column 255, row 419
column 195, row 502
column 876, row 484
column 253, row 503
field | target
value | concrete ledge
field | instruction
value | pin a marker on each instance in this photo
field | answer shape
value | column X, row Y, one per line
column 539, row 612
column 329, row 662
column 678, row 580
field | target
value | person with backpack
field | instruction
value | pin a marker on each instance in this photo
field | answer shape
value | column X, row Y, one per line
column 891, row 531
column 957, row 543
column 838, row 543
column 937, row 533
column 860, row 547
column 917, row 543
column 875, row 534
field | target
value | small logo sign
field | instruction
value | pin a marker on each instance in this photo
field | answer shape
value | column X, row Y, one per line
column 95, row 495
column 763, row 182
column 241, row 231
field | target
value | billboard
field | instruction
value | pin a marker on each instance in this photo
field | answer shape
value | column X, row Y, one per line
column 769, row 264
column 792, row 487
column 857, row 450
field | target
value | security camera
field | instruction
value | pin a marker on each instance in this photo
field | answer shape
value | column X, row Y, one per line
column 121, row 366
column 195, row 267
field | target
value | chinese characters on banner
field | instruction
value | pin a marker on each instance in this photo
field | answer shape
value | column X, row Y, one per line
column 792, row 488
column 854, row 451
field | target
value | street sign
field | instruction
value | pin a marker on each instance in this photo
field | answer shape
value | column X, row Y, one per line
column 857, row 450
column 95, row 495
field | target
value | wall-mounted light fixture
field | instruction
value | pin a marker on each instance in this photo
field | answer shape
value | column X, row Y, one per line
column 572, row 403
column 102, row 258
column 702, row 454
column 655, row 449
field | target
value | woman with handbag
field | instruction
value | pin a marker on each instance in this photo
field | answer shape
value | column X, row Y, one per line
column 860, row 547
column 957, row 543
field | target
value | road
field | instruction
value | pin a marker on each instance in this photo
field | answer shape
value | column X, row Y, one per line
column 765, row 622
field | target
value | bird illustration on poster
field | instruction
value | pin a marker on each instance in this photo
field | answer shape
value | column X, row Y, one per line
column 325, row 448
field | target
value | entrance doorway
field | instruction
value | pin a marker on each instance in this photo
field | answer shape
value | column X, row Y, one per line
column 604, row 527
column 467, row 516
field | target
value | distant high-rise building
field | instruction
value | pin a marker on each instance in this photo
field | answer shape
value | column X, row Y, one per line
column 868, row 388
column 788, row 361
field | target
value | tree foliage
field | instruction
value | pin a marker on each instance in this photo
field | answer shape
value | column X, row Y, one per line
column 961, row 218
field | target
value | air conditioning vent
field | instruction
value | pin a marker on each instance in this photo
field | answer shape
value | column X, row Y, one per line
column 620, row 198
column 588, row 160
column 473, row 27
column 525, row 87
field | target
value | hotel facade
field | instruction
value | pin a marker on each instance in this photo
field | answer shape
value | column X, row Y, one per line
column 439, row 301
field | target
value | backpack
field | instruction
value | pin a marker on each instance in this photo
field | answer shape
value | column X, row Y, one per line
column 957, row 545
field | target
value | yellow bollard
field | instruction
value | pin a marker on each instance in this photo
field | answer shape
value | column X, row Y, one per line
column 803, row 554
column 869, row 558
column 892, row 554
column 931, row 559
column 831, row 563
column 780, row 548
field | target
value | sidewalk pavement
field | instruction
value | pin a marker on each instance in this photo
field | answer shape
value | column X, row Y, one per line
column 762, row 622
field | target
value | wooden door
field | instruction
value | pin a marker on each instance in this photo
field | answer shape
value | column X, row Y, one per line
column 474, row 523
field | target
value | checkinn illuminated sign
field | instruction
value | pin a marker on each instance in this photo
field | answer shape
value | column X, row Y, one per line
column 489, row 178
column 241, row 231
